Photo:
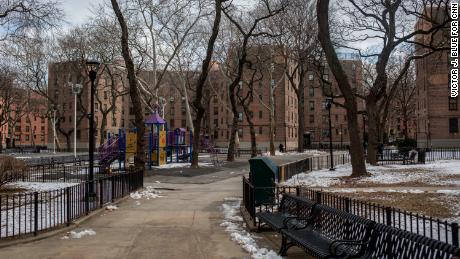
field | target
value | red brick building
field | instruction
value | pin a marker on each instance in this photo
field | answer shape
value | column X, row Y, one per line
column 437, row 113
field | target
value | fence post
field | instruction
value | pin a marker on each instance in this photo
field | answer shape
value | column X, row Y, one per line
column 454, row 227
column 112, row 178
column 101, row 193
column 67, row 192
column 35, row 213
column 347, row 204
column 64, row 173
column 87, row 198
column 318, row 197
column 388, row 215
column 297, row 191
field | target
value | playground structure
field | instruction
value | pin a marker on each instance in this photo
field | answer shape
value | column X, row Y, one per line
column 163, row 146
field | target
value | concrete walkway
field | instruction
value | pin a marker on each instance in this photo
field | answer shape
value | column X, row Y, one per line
column 183, row 224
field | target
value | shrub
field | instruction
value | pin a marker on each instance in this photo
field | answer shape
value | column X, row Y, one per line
column 11, row 169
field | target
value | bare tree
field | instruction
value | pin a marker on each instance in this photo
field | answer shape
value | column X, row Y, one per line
column 390, row 26
column 139, row 160
column 18, row 17
column 356, row 148
column 247, row 30
column 198, row 100
column 298, row 35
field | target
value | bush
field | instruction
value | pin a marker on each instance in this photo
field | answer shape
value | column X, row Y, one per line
column 11, row 169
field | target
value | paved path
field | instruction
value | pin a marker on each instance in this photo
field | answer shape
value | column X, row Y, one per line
column 183, row 224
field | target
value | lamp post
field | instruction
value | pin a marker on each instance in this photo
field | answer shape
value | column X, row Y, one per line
column 328, row 107
column 92, row 67
column 76, row 89
column 341, row 136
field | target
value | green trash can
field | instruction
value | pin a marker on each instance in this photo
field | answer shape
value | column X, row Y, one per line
column 263, row 175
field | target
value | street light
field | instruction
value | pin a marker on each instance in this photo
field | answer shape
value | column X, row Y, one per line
column 76, row 89
column 92, row 66
column 328, row 107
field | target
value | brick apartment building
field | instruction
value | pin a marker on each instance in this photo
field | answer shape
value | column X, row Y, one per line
column 437, row 113
column 26, row 123
column 316, row 115
column 218, row 117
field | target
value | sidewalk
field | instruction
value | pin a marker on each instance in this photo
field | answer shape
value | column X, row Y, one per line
column 183, row 224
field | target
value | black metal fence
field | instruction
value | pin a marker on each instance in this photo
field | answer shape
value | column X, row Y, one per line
column 31, row 161
column 290, row 169
column 442, row 153
column 30, row 213
column 426, row 226
column 60, row 172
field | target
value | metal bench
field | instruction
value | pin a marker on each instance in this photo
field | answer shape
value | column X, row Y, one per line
column 328, row 233
column 390, row 242
column 290, row 207
column 410, row 158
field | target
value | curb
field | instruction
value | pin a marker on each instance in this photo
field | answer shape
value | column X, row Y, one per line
column 59, row 230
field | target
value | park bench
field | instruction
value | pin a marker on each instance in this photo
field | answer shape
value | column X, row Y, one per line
column 390, row 242
column 290, row 206
column 328, row 233
column 410, row 158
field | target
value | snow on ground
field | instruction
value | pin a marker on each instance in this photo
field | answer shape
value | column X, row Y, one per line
column 181, row 165
column 37, row 186
column 111, row 207
column 312, row 152
column 399, row 190
column 148, row 193
column 234, row 224
column 78, row 235
column 435, row 173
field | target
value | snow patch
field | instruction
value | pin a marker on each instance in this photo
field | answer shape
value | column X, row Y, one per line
column 37, row 186
column 432, row 173
column 111, row 207
column 233, row 224
column 148, row 193
column 78, row 235
column 181, row 165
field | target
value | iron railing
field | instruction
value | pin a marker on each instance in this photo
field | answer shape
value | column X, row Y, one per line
column 33, row 212
column 287, row 170
column 441, row 230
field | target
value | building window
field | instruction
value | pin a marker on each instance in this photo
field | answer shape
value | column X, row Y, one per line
column 27, row 128
column 260, row 130
column 312, row 118
column 453, row 104
column 240, row 132
column 260, row 115
column 310, row 77
column 240, row 116
column 311, row 91
column 453, row 125
column 183, row 123
column 106, row 95
column 312, row 105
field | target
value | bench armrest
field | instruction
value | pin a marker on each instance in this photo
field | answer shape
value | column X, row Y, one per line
column 287, row 219
column 335, row 245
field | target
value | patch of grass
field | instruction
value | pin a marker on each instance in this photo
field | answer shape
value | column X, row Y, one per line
column 11, row 190
column 428, row 204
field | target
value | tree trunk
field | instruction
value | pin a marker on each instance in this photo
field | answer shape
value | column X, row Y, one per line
column 102, row 129
column 188, row 111
column 252, row 132
column 372, row 133
column 197, row 102
column 272, row 119
column 231, row 143
column 300, row 108
column 1, row 142
column 68, row 141
column 356, row 147
column 139, row 159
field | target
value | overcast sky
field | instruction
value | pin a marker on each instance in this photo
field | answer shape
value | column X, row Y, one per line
column 78, row 11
